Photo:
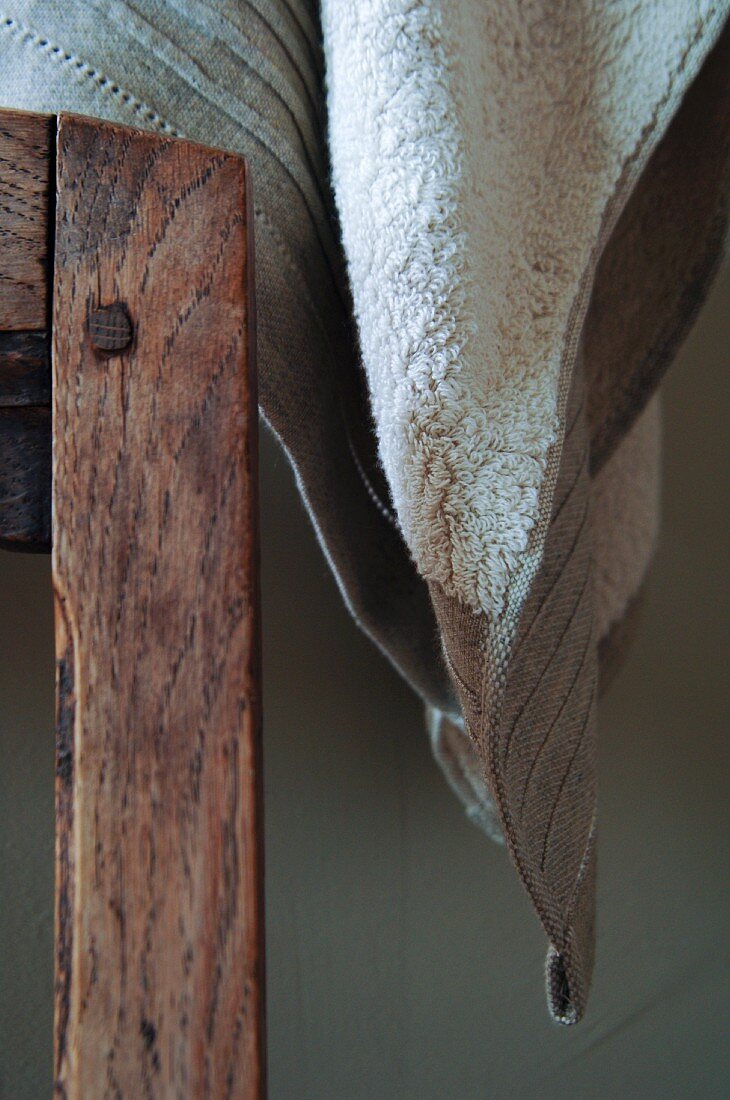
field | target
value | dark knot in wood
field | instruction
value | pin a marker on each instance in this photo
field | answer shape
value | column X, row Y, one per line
column 110, row 327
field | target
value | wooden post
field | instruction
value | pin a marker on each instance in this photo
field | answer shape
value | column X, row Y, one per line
column 159, row 909
column 160, row 956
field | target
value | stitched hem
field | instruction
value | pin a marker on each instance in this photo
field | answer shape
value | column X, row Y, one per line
column 83, row 71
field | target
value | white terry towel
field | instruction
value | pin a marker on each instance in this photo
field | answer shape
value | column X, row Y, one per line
column 484, row 153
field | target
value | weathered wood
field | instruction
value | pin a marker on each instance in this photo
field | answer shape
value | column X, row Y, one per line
column 26, row 159
column 159, row 971
column 25, row 441
column 25, row 479
column 26, row 143
column 25, row 369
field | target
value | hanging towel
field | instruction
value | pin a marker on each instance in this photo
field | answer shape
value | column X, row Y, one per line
column 484, row 159
column 460, row 355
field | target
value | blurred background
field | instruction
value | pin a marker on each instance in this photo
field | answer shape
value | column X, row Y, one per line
column 403, row 957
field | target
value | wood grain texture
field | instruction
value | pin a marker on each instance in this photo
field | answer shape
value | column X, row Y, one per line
column 26, row 159
column 25, row 479
column 25, row 369
column 159, row 969
column 25, row 441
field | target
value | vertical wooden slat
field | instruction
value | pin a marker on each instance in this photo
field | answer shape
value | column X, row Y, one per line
column 26, row 159
column 25, row 478
column 159, row 983
column 25, row 178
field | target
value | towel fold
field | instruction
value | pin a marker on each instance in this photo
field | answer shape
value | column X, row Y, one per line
column 530, row 205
